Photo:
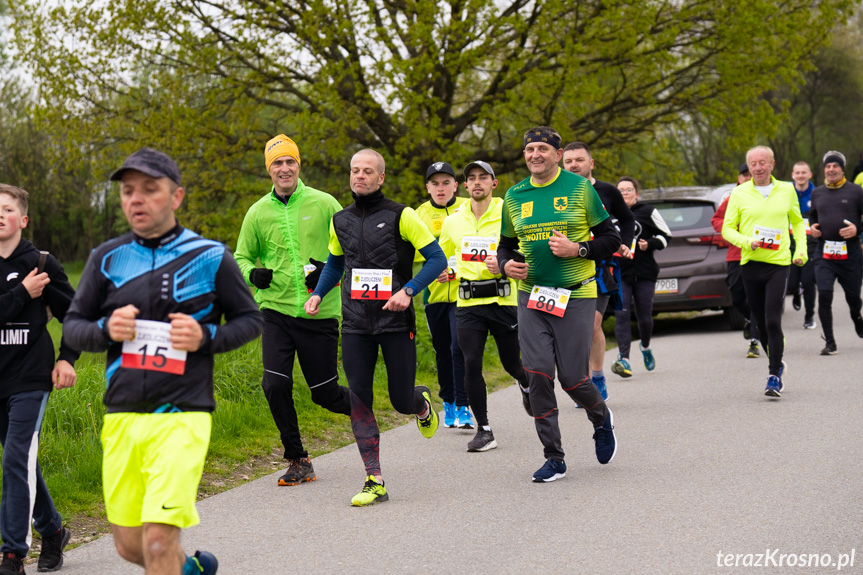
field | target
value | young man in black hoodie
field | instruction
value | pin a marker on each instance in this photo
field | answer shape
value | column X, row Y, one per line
column 34, row 285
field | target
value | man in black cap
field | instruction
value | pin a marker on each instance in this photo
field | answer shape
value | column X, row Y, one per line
column 440, row 298
column 835, row 221
column 155, row 299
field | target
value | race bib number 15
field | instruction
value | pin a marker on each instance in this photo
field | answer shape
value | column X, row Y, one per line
column 549, row 300
column 371, row 284
column 152, row 350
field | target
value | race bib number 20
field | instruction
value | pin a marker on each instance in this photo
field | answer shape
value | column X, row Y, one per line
column 371, row 284
column 549, row 300
column 152, row 350
column 477, row 248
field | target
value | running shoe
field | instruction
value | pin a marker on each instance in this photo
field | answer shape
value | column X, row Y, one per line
column 299, row 471
column 795, row 301
column 465, row 419
column 621, row 367
column 809, row 323
column 747, row 329
column 482, row 441
column 753, row 349
column 201, row 563
column 774, row 387
column 858, row 325
column 551, row 471
column 449, row 416
column 373, row 492
column 649, row 361
column 829, row 348
column 428, row 425
column 603, row 437
column 51, row 556
column 525, row 400
column 11, row 564
column 599, row 382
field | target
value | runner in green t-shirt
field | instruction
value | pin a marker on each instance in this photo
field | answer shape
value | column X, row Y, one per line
column 551, row 216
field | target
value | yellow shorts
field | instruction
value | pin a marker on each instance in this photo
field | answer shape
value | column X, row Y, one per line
column 152, row 465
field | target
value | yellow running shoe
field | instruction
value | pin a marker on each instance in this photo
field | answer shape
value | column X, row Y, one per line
column 373, row 492
column 428, row 426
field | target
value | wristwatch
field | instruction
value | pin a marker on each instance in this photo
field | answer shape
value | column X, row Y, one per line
column 410, row 291
column 582, row 251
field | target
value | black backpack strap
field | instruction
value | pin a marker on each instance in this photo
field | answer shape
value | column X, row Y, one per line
column 43, row 257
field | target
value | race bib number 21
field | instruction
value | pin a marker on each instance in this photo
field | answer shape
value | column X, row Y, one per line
column 371, row 284
column 152, row 350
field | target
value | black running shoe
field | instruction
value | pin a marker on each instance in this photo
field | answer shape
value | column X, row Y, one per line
column 795, row 301
column 11, row 565
column 51, row 556
column 483, row 441
column 299, row 471
column 829, row 348
column 858, row 325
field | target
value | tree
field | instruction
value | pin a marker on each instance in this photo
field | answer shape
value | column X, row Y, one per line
column 419, row 80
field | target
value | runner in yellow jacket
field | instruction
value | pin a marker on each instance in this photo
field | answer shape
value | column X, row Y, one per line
column 487, row 303
column 757, row 220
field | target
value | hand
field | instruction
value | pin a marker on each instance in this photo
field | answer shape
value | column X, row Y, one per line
column 848, row 231
column 815, row 230
column 35, row 283
column 399, row 302
column 186, row 333
column 121, row 324
column 63, row 375
column 516, row 270
column 312, row 278
column 755, row 244
column 491, row 264
column 642, row 245
column 624, row 251
column 261, row 277
column 312, row 305
column 562, row 246
column 444, row 276
column 797, row 262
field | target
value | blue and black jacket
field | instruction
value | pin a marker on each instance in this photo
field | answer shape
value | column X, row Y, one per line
column 181, row 272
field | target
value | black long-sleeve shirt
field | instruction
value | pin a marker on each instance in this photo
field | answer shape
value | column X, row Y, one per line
column 830, row 208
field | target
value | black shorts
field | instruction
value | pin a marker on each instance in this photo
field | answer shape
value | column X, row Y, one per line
column 493, row 318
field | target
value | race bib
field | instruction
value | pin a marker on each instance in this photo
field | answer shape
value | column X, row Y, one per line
column 451, row 267
column 371, row 284
column 477, row 248
column 152, row 350
column 768, row 238
column 549, row 300
column 309, row 268
column 835, row 251
column 806, row 225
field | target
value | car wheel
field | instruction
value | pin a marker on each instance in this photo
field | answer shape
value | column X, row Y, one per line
column 734, row 318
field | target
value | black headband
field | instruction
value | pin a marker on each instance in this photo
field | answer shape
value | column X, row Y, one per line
column 542, row 136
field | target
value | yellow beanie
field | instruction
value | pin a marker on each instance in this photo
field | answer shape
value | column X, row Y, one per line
column 280, row 146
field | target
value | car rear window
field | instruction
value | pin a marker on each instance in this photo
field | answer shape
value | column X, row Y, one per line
column 685, row 215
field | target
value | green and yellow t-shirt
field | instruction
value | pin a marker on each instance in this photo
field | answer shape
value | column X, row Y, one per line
column 568, row 204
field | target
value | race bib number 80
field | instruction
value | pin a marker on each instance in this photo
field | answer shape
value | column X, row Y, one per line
column 549, row 300
column 152, row 350
column 371, row 284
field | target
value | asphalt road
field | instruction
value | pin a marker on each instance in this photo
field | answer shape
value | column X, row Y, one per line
column 706, row 465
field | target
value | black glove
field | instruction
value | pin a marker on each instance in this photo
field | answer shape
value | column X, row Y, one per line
column 312, row 278
column 261, row 277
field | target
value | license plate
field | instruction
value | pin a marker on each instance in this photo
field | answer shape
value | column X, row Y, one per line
column 668, row 285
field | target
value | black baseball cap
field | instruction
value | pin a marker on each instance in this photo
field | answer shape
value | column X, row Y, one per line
column 152, row 162
column 478, row 164
column 744, row 169
column 439, row 168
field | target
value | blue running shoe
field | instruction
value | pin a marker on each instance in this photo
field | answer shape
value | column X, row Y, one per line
column 449, row 414
column 551, row 471
column 621, row 367
column 606, row 442
column 649, row 362
column 599, row 382
column 201, row 563
column 465, row 419
column 774, row 387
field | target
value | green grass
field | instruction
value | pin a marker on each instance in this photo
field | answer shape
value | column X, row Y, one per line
column 245, row 442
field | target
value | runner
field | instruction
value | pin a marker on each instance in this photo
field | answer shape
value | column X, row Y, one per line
column 154, row 298
column 802, row 278
column 757, row 221
column 440, row 300
column 487, row 302
column 373, row 241
column 639, row 274
column 550, row 217
column 577, row 159
column 837, row 210
column 733, row 276
column 35, row 285
column 287, row 230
